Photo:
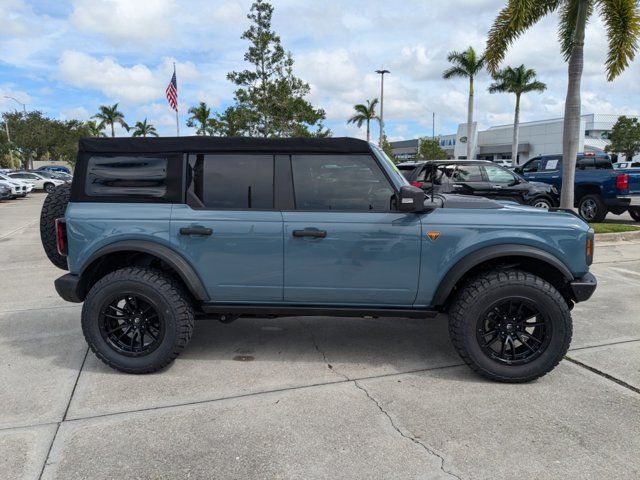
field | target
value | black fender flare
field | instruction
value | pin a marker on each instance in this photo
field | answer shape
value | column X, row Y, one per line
column 176, row 261
column 482, row 255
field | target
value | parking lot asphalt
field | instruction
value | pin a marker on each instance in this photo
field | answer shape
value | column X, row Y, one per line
column 309, row 397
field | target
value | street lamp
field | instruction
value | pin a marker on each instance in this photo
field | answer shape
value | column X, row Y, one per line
column 24, row 107
column 381, row 73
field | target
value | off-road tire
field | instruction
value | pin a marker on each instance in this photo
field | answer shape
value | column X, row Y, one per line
column 171, row 301
column 54, row 206
column 600, row 208
column 487, row 288
column 635, row 213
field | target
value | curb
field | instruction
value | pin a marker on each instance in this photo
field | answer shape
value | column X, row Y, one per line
column 618, row 237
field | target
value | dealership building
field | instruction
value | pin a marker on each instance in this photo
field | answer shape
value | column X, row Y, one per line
column 536, row 138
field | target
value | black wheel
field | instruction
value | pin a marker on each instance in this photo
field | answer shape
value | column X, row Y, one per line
column 49, row 187
column 510, row 326
column 542, row 202
column 137, row 320
column 53, row 207
column 592, row 209
column 635, row 213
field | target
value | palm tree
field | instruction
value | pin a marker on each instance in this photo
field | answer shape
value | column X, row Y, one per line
column 467, row 64
column 110, row 115
column 142, row 129
column 364, row 113
column 200, row 116
column 622, row 23
column 517, row 80
column 93, row 129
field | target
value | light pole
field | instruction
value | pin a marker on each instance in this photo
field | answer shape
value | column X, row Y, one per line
column 6, row 123
column 381, row 73
column 6, row 127
column 24, row 107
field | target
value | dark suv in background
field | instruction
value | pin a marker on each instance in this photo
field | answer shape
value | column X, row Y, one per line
column 481, row 178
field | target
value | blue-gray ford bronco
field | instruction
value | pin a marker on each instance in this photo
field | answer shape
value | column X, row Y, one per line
column 156, row 232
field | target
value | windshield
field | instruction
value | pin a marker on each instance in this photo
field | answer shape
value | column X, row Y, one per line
column 390, row 167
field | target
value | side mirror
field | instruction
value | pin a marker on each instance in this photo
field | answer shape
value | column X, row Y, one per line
column 411, row 199
column 518, row 170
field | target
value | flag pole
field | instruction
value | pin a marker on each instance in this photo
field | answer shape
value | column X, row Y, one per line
column 177, row 117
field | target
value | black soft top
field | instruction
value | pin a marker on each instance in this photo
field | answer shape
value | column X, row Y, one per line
column 204, row 144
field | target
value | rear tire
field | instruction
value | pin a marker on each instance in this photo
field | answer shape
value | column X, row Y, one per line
column 635, row 213
column 546, row 338
column 591, row 208
column 54, row 206
column 49, row 187
column 137, row 320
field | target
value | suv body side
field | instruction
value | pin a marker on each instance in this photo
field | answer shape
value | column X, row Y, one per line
column 288, row 252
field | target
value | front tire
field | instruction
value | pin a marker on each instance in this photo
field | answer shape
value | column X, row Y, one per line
column 49, row 187
column 137, row 320
column 542, row 202
column 510, row 326
column 592, row 209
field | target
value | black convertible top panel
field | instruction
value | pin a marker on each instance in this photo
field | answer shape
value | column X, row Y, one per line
column 204, row 144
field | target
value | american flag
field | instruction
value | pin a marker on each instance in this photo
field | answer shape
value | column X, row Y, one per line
column 172, row 92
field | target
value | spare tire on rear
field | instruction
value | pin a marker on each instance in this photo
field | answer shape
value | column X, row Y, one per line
column 54, row 207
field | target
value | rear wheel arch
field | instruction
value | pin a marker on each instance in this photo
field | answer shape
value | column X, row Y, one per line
column 140, row 253
column 524, row 257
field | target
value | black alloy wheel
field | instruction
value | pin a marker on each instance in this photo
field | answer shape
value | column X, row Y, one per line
column 131, row 325
column 513, row 331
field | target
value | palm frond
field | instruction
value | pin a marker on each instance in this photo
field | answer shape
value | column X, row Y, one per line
column 622, row 21
column 512, row 21
column 453, row 72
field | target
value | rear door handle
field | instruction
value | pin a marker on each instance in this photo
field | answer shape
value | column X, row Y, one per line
column 195, row 231
column 310, row 232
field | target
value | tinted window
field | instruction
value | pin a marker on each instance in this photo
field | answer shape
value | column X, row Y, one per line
column 603, row 163
column 340, row 182
column 123, row 176
column 406, row 170
column 232, row 181
column 444, row 174
column 532, row 166
column 497, row 174
column 468, row 173
column 586, row 163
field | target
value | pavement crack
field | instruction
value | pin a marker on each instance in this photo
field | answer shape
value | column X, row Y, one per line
column 406, row 435
column 602, row 374
column 322, row 352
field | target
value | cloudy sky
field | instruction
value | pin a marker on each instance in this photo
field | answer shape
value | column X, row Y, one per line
column 66, row 58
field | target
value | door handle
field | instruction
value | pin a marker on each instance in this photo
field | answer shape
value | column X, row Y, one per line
column 496, row 186
column 195, row 231
column 310, row 232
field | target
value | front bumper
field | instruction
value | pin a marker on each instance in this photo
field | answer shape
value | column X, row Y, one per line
column 583, row 288
column 68, row 287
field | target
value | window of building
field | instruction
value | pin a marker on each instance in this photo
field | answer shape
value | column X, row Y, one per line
column 226, row 181
column 340, row 182
column 124, row 176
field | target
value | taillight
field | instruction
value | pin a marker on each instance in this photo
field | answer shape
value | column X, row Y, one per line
column 61, row 236
column 417, row 184
column 622, row 182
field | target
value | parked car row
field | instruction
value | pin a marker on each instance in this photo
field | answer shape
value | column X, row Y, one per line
column 16, row 184
column 599, row 188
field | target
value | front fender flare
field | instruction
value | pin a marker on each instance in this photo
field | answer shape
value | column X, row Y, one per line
column 176, row 261
column 482, row 255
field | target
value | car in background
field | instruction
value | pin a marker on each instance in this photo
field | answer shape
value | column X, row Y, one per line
column 481, row 178
column 23, row 187
column 55, row 168
column 39, row 180
column 5, row 192
column 65, row 177
column 599, row 188
column 620, row 165
column 502, row 162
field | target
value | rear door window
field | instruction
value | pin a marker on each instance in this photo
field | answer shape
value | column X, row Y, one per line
column 497, row 174
column 231, row 181
column 340, row 182
column 532, row 166
column 552, row 164
column 586, row 163
column 468, row 173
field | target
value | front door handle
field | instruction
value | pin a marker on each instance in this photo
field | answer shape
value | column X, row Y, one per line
column 197, row 230
column 310, row 232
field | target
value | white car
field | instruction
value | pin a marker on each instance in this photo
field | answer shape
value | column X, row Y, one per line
column 502, row 162
column 23, row 186
column 16, row 190
column 39, row 181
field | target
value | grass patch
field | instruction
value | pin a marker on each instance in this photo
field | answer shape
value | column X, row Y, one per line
column 613, row 227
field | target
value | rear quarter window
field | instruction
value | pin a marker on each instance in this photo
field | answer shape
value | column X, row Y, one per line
column 126, row 176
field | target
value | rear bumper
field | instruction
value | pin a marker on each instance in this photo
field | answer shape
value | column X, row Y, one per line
column 68, row 287
column 584, row 287
column 623, row 201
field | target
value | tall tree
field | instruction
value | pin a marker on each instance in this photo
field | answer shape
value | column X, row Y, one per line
column 467, row 64
column 365, row 114
column 200, row 119
column 622, row 22
column 625, row 137
column 143, row 129
column 518, row 81
column 93, row 129
column 110, row 115
column 429, row 149
column 270, row 99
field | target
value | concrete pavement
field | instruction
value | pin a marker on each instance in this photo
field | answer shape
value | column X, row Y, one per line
column 309, row 397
